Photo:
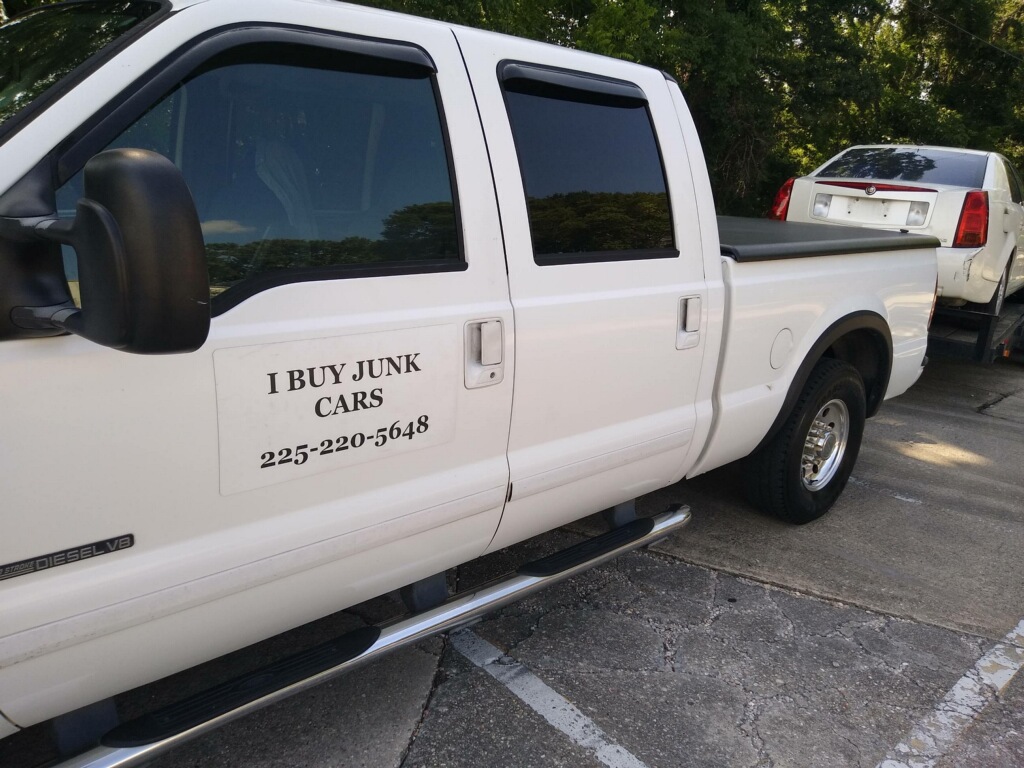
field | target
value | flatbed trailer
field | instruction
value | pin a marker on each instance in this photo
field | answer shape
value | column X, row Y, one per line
column 966, row 335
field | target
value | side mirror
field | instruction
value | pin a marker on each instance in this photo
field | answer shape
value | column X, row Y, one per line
column 141, row 258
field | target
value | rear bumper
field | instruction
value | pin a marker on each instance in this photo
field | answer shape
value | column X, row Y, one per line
column 967, row 273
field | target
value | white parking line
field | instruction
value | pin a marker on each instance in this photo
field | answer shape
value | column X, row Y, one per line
column 542, row 699
column 884, row 491
column 907, row 498
column 932, row 737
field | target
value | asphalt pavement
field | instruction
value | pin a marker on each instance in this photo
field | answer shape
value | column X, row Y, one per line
column 888, row 633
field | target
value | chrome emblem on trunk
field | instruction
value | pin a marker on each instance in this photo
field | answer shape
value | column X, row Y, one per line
column 871, row 190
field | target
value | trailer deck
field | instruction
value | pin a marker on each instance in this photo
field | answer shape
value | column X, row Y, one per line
column 966, row 335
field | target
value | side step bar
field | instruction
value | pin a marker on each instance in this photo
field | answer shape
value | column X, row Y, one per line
column 140, row 740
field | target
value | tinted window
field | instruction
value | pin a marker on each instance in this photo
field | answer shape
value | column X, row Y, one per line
column 1014, row 178
column 932, row 166
column 594, row 181
column 297, row 168
column 40, row 48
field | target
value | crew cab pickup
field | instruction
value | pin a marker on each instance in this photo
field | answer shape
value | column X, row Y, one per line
column 302, row 303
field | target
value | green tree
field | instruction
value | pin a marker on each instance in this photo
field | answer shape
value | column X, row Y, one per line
column 422, row 231
column 961, row 78
column 778, row 86
column 582, row 222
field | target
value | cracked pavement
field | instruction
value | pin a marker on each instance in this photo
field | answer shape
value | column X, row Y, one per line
column 738, row 642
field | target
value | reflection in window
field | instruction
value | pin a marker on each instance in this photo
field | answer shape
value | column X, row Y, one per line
column 593, row 175
column 920, row 164
column 296, row 168
column 41, row 47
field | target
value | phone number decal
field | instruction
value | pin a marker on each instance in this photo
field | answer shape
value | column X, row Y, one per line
column 364, row 397
column 300, row 454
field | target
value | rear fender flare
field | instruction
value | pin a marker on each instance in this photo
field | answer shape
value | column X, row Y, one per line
column 862, row 339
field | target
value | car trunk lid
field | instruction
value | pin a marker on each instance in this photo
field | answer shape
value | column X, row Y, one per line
column 874, row 204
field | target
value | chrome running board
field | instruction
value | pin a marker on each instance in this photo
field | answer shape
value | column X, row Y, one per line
column 143, row 739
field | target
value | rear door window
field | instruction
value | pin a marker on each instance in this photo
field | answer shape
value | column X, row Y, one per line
column 595, row 185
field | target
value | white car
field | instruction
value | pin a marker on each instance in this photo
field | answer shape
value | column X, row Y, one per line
column 970, row 200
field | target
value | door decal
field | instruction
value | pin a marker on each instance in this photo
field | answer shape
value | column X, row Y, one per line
column 299, row 408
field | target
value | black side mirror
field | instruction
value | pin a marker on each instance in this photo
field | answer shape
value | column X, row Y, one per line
column 141, row 258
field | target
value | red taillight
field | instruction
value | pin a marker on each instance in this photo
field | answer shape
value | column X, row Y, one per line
column 972, row 230
column 781, row 205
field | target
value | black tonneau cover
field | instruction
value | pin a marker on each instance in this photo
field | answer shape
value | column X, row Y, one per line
column 765, row 239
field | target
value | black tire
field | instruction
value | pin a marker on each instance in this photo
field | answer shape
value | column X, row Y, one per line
column 775, row 476
column 995, row 305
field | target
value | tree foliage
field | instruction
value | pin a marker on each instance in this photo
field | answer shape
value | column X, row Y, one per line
column 778, row 86
column 582, row 222
column 422, row 232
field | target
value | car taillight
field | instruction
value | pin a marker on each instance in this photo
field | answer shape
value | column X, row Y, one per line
column 781, row 205
column 972, row 230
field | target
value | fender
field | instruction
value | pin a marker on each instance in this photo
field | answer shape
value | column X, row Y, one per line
column 878, row 332
column 993, row 274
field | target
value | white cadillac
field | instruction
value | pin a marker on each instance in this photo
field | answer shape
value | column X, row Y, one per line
column 970, row 200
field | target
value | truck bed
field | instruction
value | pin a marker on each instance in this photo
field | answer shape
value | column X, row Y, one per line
column 745, row 239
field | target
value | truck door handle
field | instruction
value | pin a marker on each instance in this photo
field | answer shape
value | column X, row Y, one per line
column 485, row 353
column 688, row 327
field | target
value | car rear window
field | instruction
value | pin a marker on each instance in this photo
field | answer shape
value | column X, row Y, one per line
column 934, row 166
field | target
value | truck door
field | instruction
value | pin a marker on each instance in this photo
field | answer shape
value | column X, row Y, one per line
column 344, row 429
column 606, row 275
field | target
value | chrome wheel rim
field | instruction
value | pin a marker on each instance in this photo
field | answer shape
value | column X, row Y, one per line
column 825, row 445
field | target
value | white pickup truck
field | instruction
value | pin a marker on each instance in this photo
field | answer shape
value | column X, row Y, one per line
column 418, row 292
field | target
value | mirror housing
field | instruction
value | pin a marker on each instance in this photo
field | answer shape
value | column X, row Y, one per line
column 141, row 259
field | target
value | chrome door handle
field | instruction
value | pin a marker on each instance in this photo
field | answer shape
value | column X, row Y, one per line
column 485, row 353
column 688, row 327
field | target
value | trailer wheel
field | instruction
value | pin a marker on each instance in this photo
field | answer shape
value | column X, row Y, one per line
column 800, row 473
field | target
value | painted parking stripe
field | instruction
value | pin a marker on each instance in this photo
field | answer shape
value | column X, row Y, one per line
column 543, row 700
column 932, row 737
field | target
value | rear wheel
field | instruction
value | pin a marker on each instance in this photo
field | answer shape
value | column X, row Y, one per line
column 800, row 473
column 995, row 306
